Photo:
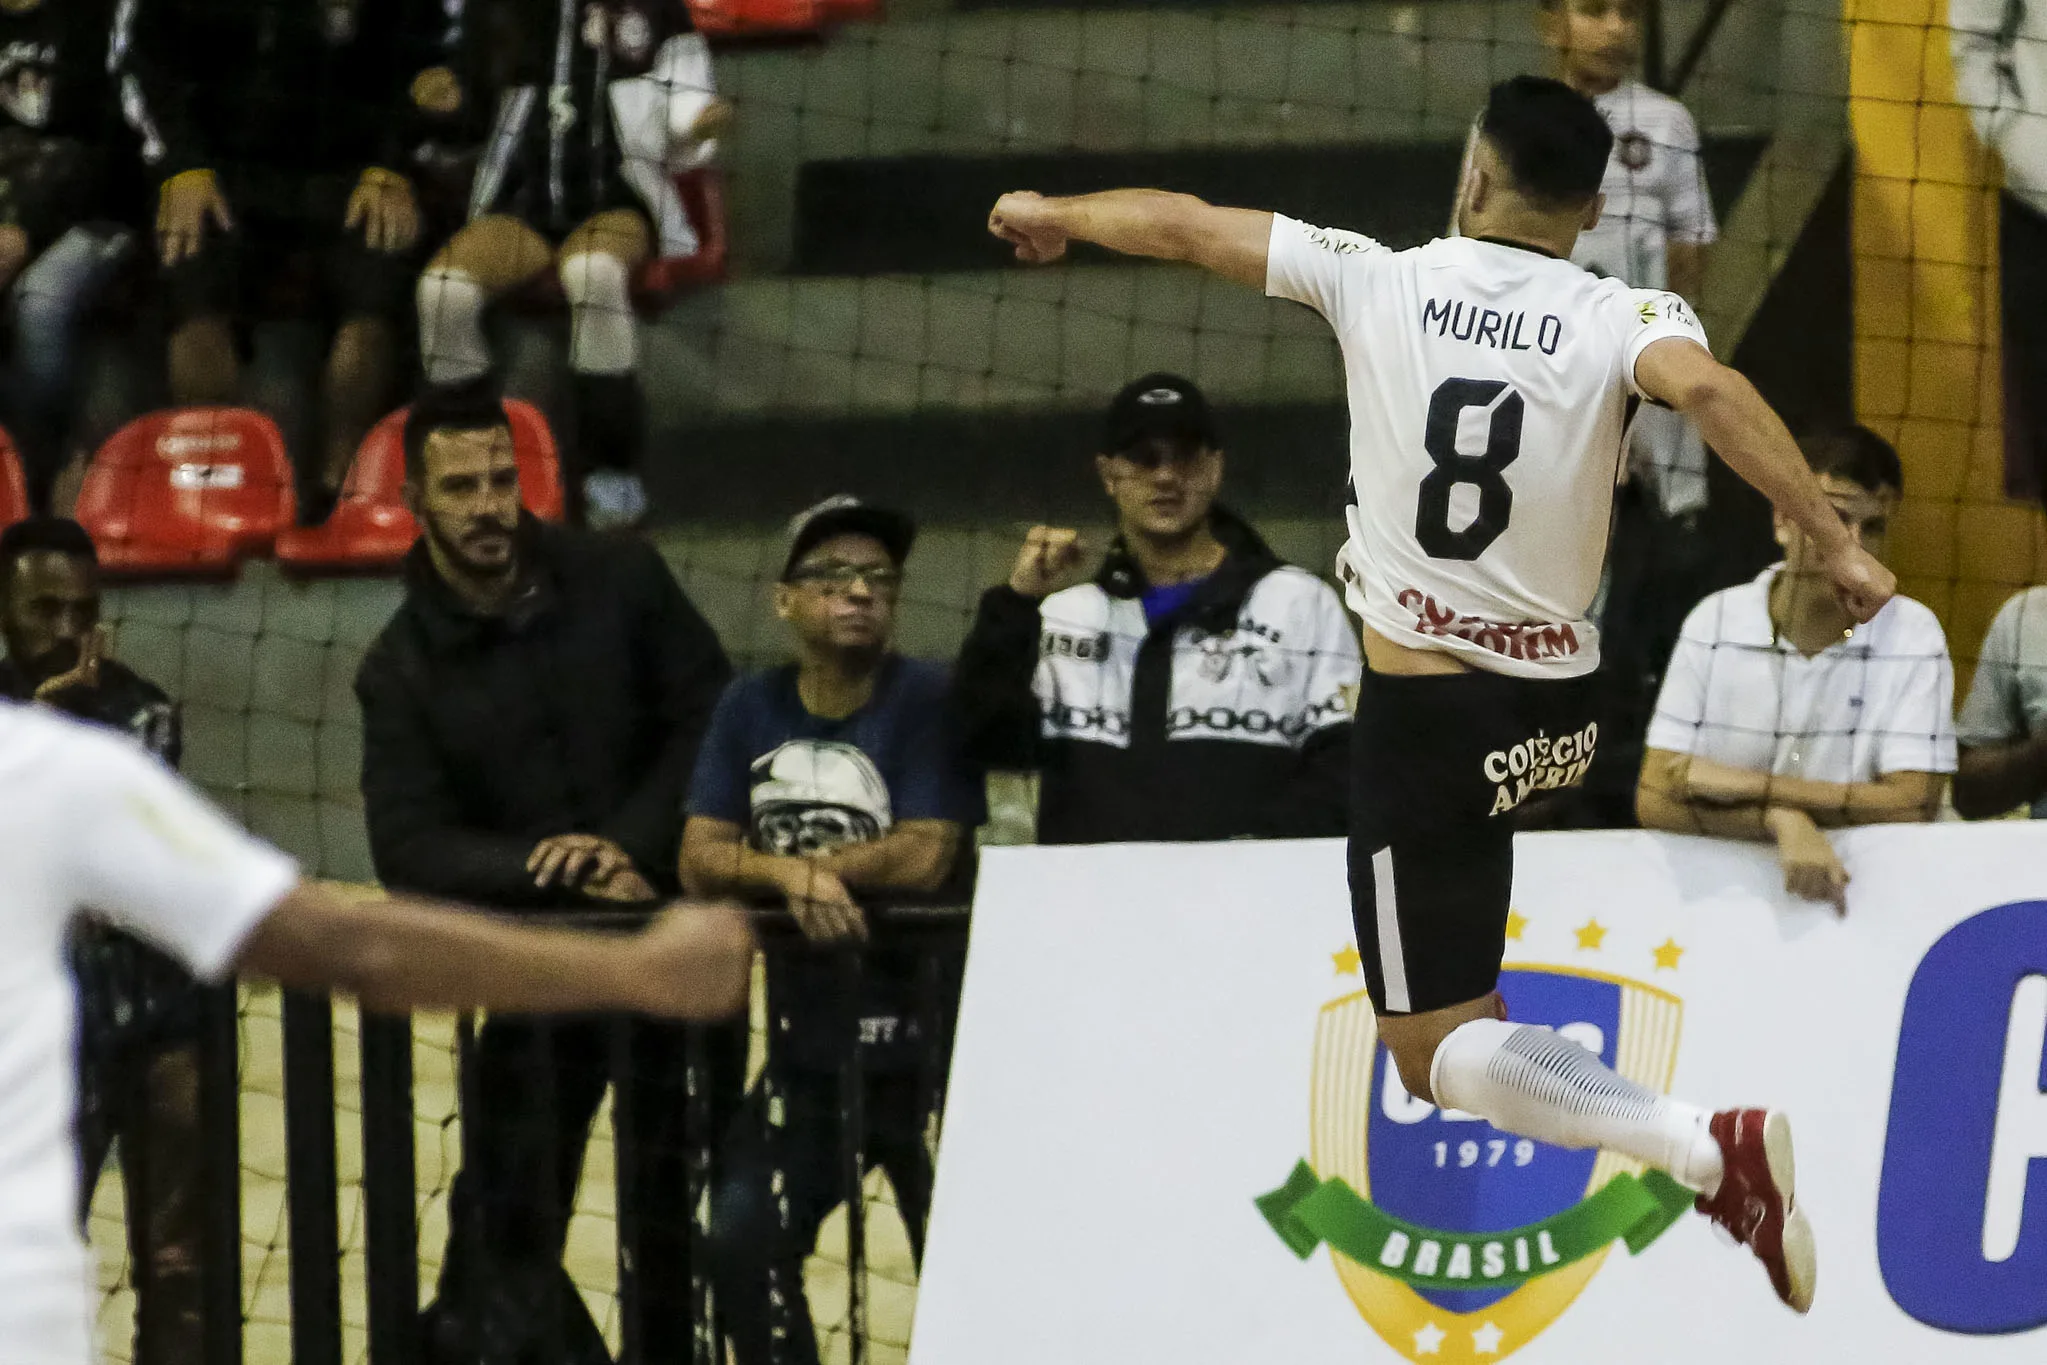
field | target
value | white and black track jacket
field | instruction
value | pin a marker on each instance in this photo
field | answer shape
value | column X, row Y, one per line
column 1228, row 718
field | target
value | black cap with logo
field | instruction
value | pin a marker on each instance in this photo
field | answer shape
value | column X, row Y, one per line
column 847, row 515
column 1158, row 405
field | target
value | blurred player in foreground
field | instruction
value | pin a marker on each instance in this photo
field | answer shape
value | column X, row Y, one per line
column 91, row 823
column 1491, row 387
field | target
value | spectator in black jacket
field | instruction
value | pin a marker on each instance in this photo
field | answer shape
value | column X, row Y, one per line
column 139, row 1012
column 64, row 225
column 1195, row 688
column 530, row 718
column 279, row 130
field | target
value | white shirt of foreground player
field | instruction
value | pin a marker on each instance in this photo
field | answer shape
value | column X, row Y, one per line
column 1491, row 389
column 88, row 820
column 1880, row 701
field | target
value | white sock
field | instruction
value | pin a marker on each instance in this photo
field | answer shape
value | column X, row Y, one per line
column 451, row 345
column 604, row 336
column 1536, row 1083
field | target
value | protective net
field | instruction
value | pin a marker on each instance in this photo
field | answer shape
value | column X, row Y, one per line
column 829, row 315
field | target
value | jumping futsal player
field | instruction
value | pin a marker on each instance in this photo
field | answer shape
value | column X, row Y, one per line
column 1491, row 386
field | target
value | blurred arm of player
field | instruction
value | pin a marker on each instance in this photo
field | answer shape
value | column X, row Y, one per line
column 1156, row 223
column 692, row 962
column 140, row 847
column 1737, row 424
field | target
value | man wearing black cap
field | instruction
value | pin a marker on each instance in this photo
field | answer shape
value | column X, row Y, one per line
column 1194, row 688
column 828, row 783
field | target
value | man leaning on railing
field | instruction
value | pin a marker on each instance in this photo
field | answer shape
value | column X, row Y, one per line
column 1780, row 716
column 828, row 783
column 530, row 716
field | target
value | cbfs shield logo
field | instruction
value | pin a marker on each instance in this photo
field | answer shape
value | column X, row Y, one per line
column 1458, row 1242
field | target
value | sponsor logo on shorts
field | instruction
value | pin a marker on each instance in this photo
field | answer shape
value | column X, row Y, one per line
column 1539, row 764
column 1456, row 1242
column 1534, row 641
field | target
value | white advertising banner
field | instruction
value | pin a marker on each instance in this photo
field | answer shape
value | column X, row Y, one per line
column 1172, row 1139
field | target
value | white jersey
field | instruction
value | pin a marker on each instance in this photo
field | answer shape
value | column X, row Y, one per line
column 88, row 821
column 1491, row 389
column 1655, row 188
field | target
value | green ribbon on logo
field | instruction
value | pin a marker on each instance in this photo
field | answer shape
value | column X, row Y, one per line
column 1306, row 1212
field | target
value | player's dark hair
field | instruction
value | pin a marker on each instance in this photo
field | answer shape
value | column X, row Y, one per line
column 1857, row 454
column 1554, row 141
column 43, row 535
column 470, row 406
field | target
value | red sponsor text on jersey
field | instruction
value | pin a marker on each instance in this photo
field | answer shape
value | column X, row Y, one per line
column 1533, row 640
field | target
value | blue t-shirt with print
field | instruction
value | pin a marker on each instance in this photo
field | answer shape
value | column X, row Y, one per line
column 803, row 785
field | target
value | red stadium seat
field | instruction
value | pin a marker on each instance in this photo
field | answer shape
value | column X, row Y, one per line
column 13, row 484
column 738, row 18
column 188, row 491
column 370, row 528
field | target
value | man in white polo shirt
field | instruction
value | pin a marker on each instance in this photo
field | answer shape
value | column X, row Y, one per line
column 1781, row 717
column 89, row 821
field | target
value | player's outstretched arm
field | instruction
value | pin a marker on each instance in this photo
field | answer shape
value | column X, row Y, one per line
column 692, row 962
column 1157, row 223
column 1735, row 422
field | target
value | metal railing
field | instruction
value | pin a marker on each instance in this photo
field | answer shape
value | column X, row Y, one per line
column 933, row 937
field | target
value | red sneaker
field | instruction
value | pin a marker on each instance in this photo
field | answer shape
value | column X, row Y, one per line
column 1757, row 1200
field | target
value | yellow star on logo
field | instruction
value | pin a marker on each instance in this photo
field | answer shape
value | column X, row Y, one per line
column 1516, row 922
column 1591, row 934
column 1668, row 954
column 1348, row 963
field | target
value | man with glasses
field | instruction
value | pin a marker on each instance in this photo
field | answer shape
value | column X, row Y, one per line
column 1195, row 687
column 826, row 783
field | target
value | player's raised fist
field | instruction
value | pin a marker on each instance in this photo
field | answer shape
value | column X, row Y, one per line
column 1051, row 559
column 1028, row 221
column 1861, row 582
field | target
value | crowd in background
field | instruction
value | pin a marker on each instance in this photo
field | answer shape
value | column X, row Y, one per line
column 383, row 169
column 549, row 724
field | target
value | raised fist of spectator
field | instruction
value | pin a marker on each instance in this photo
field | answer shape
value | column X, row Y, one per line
column 185, row 205
column 1051, row 559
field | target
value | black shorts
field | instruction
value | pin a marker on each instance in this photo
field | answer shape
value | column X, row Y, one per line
column 1439, row 764
column 287, row 227
column 556, row 209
